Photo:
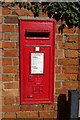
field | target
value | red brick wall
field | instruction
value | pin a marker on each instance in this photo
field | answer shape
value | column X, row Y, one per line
column 66, row 69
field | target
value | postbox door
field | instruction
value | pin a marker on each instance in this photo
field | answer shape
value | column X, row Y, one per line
column 36, row 77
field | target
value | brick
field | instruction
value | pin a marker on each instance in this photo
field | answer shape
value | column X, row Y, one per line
column 68, row 61
column 0, row 10
column 8, row 45
column 10, row 93
column 22, row 12
column 6, row 61
column 57, row 84
column 11, row 19
column 66, row 77
column 0, row 27
column 72, row 46
column 17, row 100
column 59, row 37
column 70, row 84
column 6, row 36
column 0, row 19
column 31, row 108
column 1, row 52
column 7, row 77
column 73, row 53
column 9, row 100
column 71, row 38
column 70, row 69
column 16, row 78
column 11, row 53
column 1, row 70
column 0, row 86
column 10, row 69
column 15, row 61
column 0, row 77
column 0, row 44
column 33, row 114
column 8, row 28
column 58, row 69
column 47, row 114
column 5, row 11
column 0, row 61
column 71, row 30
column 10, row 108
column 16, row 29
column 50, row 107
column 0, row 36
column 1, row 116
column 9, row 115
column 59, row 53
column 11, row 85
column 17, row 44
column 14, row 37
column 61, row 91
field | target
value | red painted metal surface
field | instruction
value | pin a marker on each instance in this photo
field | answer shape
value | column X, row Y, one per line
column 37, row 48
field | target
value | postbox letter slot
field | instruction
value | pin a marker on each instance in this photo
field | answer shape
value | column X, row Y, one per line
column 37, row 35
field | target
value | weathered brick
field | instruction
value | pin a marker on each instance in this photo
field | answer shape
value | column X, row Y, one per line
column 11, row 19
column 61, row 91
column 16, row 29
column 58, row 69
column 14, row 36
column 58, row 84
column 59, row 37
column 59, row 53
column 0, row 36
column 71, row 30
column 7, row 77
column 70, row 69
column 8, row 28
column 9, row 100
column 15, row 61
column 22, row 12
column 0, row 19
column 11, row 53
column 68, row 61
column 10, row 69
column 6, row 61
column 66, row 77
column 33, row 114
column 47, row 114
column 16, row 78
column 70, row 84
column 1, row 28
column 72, row 38
column 17, row 100
column 9, row 115
column 31, row 108
column 6, row 36
column 8, row 45
column 69, row 46
column 50, row 107
column 10, row 93
column 5, row 11
column 10, row 108
column 13, row 85
column 72, row 53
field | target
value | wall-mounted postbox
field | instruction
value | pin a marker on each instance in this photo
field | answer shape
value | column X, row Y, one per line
column 37, row 45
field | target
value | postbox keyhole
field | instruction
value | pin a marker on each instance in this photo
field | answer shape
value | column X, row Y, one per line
column 30, row 76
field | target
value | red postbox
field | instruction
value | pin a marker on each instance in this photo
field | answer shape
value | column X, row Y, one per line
column 37, row 48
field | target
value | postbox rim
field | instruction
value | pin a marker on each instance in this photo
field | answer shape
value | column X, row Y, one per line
column 41, row 20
